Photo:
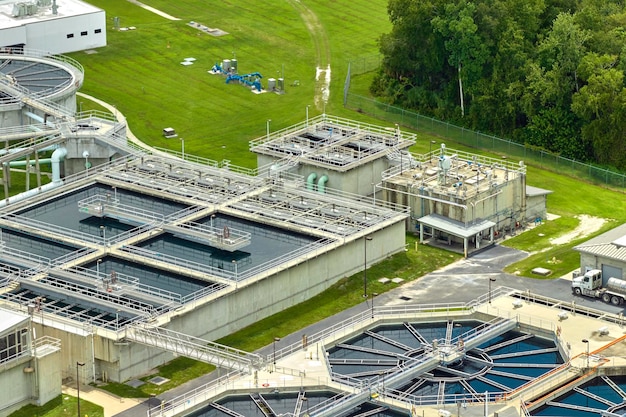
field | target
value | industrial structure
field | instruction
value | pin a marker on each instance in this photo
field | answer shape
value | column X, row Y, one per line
column 606, row 253
column 509, row 353
column 128, row 257
column 120, row 258
column 54, row 26
column 455, row 198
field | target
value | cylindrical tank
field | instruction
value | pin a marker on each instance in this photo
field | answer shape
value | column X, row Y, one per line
column 233, row 65
column 617, row 285
column 281, row 84
column 226, row 65
column 271, row 84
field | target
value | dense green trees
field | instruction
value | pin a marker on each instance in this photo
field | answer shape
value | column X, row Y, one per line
column 549, row 73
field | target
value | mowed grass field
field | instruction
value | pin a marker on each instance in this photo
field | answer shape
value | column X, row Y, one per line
column 140, row 71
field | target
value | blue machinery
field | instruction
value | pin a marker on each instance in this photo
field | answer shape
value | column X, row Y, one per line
column 252, row 80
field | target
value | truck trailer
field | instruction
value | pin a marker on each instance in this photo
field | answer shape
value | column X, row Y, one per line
column 590, row 285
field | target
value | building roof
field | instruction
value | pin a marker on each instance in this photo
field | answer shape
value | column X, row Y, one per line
column 536, row 191
column 66, row 8
column 611, row 244
column 10, row 319
column 455, row 227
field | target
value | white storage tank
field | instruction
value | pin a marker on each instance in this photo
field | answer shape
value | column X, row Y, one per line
column 226, row 65
column 271, row 84
column 617, row 285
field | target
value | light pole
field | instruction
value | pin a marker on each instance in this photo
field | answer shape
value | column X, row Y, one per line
column 365, row 240
column 98, row 267
column 212, row 217
column 585, row 341
column 307, row 115
column 78, row 364
column 182, row 144
column 374, row 294
column 276, row 339
column 490, row 281
column 268, row 128
column 86, row 156
column 306, row 400
column 117, row 319
column 235, row 268
column 432, row 142
column 103, row 233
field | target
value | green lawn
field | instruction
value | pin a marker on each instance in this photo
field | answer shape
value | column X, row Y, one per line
column 61, row 406
column 140, row 73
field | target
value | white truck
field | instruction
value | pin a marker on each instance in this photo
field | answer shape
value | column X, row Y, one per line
column 590, row 285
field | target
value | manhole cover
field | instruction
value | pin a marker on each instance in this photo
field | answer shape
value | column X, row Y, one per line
column 158, row 380
column 135, row 383
column 405, row 298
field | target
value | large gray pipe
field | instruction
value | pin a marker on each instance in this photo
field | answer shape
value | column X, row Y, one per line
column 57, row 156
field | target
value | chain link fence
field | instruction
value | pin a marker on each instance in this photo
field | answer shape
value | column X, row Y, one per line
column 473, row 139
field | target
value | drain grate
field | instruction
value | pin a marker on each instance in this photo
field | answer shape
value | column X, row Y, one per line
column 405, row 298
column 135, row 383
column 158, row 380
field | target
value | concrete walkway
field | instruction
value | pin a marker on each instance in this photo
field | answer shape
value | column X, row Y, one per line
column 112, row 404
column 122, row 119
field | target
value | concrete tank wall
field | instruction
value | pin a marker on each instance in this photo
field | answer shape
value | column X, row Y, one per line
column 17, row 387
column 358, row 180
column 250, row 303
column 49, row 377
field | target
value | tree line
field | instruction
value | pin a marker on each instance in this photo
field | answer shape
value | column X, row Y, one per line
column 548, row 73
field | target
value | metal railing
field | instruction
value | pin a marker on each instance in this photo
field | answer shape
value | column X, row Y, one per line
column 191, row 399
column 41, row 228
column 181, row 263
column 194, row 347
column 285, row 258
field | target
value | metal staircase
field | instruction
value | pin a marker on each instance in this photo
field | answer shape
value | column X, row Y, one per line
column 263, row 405
column 195, row 348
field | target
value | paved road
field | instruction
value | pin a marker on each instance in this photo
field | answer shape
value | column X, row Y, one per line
column 462, row 281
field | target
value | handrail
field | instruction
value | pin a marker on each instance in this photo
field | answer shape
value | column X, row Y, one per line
column 36, row 227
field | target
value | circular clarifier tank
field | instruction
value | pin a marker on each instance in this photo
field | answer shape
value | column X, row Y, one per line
column 503, row 363
column 25, row 73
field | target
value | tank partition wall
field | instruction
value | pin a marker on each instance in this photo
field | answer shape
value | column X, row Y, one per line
column 601, row 391
column 254, row 298
column 272, row 290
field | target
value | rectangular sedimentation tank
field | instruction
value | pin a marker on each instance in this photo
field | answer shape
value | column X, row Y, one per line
column 112, row 215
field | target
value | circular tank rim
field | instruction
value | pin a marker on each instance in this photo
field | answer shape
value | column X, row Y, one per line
column 70, row 65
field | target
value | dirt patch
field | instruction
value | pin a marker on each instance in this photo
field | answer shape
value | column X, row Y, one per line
column 588, row 225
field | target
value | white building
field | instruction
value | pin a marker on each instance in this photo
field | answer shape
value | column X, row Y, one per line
column 53, row 26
